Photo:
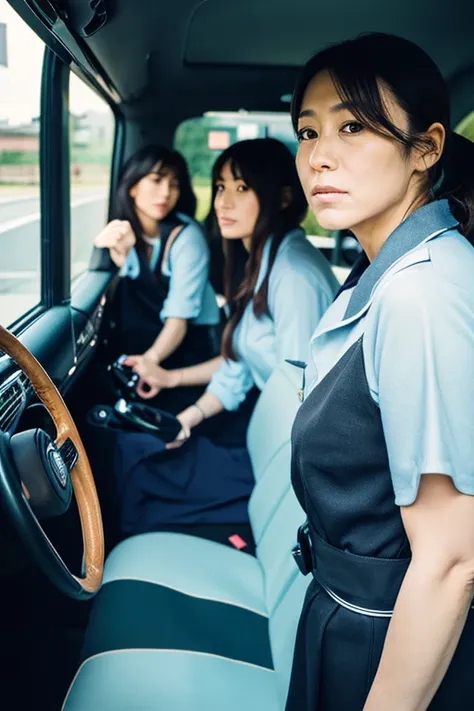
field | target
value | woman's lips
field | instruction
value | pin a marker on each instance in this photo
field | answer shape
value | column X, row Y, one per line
column 327, row 193
column 226, row 221
column 328, row 197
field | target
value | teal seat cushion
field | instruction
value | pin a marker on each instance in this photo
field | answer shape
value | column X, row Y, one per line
column 134, row 614
column 164, row 680
column 190, row 565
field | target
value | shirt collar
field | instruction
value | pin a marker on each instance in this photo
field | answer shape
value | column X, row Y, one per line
column 425, row 223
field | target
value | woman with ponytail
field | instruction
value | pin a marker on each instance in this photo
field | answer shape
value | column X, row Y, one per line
column 277, row 287
column 383, row 444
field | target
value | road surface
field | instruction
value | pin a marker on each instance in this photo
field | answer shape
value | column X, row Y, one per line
column 20, row 247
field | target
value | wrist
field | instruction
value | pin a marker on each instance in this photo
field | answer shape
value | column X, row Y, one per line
column 175, row 378
column 192, row 416
column 152, row 355
column 200, row 410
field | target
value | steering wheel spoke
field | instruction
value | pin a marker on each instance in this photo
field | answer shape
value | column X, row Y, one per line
column 69, row 454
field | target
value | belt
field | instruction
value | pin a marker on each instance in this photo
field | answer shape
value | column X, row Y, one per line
column 362, row 584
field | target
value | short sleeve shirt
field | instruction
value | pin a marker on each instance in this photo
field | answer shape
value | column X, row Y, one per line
column 414, row 309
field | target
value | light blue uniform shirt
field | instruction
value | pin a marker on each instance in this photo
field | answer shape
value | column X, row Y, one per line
column 300, row 289
column 414, row 309
column 190, row 296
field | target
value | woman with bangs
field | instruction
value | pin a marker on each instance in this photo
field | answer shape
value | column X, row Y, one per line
column 383, row 445
column 165, row 307
column 277, row 288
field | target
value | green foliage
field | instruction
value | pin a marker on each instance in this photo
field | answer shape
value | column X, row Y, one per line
column 98, row 154
column 191, row 141
column 466, row 127
column 19, row 158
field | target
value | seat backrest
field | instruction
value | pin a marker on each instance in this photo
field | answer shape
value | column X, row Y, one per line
column 270, row 490
column 273, row 416
column 268, row 441
column 283, row 624
column 275, row 514
column 275, row 546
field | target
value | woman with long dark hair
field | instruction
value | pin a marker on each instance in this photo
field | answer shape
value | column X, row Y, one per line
column 383, row 444
column 165, row 307
column 277, row 286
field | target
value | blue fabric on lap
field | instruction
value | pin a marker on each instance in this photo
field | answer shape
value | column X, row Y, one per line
column 199, row 483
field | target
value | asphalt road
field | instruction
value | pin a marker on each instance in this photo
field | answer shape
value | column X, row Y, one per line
column 20, row 247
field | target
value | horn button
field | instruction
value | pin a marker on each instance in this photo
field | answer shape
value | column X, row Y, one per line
column 44, row 470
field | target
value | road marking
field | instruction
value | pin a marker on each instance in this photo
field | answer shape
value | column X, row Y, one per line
column 18, row 198
column 19, row 275
column 34, row 216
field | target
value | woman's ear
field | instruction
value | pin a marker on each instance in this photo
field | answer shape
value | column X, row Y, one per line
column 286, row 197
column 435, row 139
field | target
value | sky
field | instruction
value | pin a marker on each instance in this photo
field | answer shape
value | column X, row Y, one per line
column 20, row 82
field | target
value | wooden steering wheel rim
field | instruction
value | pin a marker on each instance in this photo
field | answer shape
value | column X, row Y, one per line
column 81, row 475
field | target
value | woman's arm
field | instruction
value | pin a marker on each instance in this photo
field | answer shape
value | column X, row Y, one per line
column 434, row 599
column 168, row 341
column 207, row 406
column 189, row 274
column 157, row 378
column 119, row 238
column 297, row 302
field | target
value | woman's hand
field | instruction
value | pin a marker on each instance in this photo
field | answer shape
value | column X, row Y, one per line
column 119, row 238
column 189, row 418
column 153, row 377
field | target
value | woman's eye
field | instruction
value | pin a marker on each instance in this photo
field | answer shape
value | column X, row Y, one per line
column 306, row 134
column 219, row 188
column 352, row 127
column 242, row 188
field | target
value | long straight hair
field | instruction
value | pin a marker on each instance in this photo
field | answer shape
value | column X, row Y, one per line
column 268, row 168
column 161, row 161
column 360, row 68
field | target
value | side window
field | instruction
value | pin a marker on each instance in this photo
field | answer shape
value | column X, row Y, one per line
column 21, row 58
column 91, row 129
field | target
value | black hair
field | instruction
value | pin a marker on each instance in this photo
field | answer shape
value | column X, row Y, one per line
column 152, row 159
column 359, row 69
column 268, row 168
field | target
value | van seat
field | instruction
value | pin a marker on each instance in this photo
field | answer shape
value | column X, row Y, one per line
column 184, row 623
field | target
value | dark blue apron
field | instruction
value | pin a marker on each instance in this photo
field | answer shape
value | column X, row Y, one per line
column 139, row 303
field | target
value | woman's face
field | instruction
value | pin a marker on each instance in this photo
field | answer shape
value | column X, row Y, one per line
column 353, row 178
column 236, row 206
column 156, row 194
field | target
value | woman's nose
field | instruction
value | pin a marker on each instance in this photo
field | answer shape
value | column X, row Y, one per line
column 165, row 188
column 227, row 201
column 322, row 156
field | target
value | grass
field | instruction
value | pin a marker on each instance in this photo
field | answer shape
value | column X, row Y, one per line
column 202, row 189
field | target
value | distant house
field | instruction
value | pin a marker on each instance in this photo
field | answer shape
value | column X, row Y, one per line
column 22, row 139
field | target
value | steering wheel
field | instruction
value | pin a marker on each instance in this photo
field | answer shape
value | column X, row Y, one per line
column 38, row 476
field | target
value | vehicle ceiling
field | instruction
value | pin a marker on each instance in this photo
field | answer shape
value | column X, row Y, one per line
column 172, row 60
